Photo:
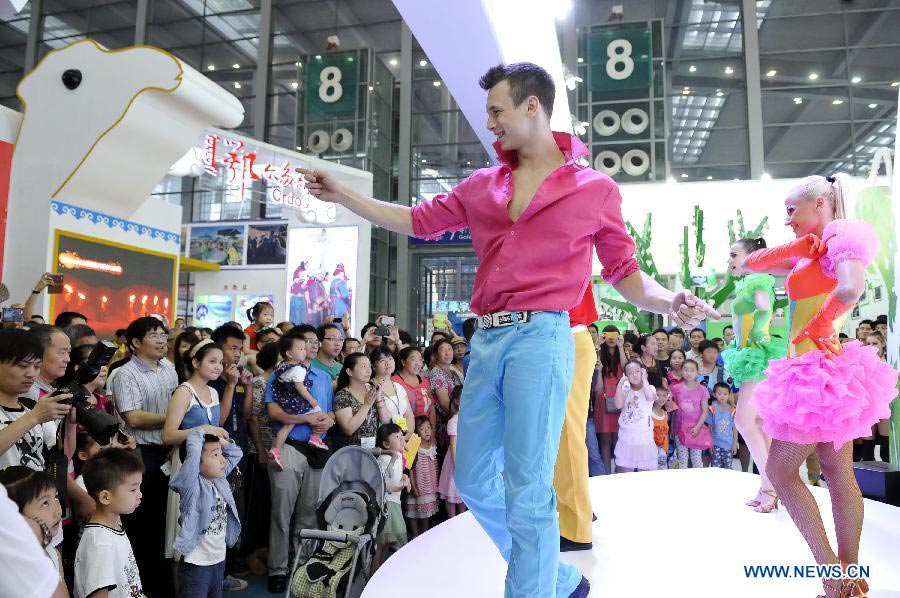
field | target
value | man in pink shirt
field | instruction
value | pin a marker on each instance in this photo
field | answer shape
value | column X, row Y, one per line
column 534, row 221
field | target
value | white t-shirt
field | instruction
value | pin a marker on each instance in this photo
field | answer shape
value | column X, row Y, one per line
column 105, row 560
column 294, row 375
column 397, row 406
column 211, row 550
column 29, row 449
column 27, row 571
column 393, row 476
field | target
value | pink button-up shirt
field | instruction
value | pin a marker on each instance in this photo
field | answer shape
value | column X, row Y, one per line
column 542, row 261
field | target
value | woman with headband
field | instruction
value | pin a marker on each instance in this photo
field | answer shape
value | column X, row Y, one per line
column 822, row 396
column 193, row 404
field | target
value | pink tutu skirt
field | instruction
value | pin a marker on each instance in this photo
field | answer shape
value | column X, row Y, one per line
column 811, row 398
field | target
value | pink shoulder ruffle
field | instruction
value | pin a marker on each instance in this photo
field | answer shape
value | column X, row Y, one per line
column 848, row 240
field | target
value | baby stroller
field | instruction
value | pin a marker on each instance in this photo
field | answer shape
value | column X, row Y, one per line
column 351, row 512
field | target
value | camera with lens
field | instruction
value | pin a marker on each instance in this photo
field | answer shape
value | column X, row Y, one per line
column 101, row 426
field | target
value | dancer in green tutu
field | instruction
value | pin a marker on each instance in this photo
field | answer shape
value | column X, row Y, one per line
column 747, row 358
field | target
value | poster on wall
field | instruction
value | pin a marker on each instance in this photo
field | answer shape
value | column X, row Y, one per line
column 223, row 244
column 111, row 284
column 267, row 244
column 322, row 274
column 244, row 302
column 212, row 311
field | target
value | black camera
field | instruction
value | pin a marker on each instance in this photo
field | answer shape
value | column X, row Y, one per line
column 101, row 426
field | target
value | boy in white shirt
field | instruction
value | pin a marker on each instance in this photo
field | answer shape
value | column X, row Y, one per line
column 209, row 519
column 104, row 563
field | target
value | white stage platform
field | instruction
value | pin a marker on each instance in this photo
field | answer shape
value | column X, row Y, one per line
column 657, row 534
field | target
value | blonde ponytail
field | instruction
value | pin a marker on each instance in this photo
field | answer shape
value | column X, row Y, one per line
column 835, row 189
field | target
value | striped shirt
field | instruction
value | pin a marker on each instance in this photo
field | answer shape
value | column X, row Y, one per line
column 139, row 388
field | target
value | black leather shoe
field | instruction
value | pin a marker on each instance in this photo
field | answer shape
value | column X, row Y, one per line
column 566, row 545
column 278, row 584
column 583, row 589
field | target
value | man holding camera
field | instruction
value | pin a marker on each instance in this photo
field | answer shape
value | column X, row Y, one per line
column 142, row 389
column 26, row 427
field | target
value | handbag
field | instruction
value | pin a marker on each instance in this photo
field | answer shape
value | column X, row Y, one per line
column 609, row 403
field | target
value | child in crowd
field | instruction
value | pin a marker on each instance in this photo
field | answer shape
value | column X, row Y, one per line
column 635, row 449
column 422, row 501
column 692, row 435
column 209, row 519
column 291, row 391
column 661, row 426
column 390, row 437
column 453, row 502
column 262, row 316
column 86, row 448
column 676, row 363
column 721, row 422
column 34, row 492
column 104, row 563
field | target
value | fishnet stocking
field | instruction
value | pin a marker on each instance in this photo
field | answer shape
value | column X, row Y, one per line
column 846, row 498
column 783, row 469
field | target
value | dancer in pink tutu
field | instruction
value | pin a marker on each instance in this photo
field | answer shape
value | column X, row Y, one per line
column 822, row 396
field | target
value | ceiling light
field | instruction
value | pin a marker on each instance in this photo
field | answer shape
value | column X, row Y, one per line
column 392, row 62
column 709, row 178
column 211, row 67
column 685, row 92
column 736, row 180
column 318, row 57
column 671, row 180
column 856, row 79
column 728, row 70
column 684, row 175
column 299, row 148
column 580, row 60
column 424, row 160
column 837, row 102
column 237, row 85
column 235, row 66
column 299, row 64
column 423, row 62
column 895, row 84
column 371, row 88
column 436, row 83
column 813, row 76
column 692, row 69
column 294, row 84
column 771, row 73
column 798, row 100
column 765, row 177
column 873, row 105
column 719, row 93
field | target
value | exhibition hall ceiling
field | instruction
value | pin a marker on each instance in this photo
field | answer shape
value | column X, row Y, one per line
column 827, row 65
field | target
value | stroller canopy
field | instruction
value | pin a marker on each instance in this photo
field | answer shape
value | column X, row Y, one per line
column 352, row 468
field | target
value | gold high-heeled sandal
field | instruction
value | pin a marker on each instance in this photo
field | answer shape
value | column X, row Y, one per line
column 834, row 588
column 856, row 588
column 768, row 508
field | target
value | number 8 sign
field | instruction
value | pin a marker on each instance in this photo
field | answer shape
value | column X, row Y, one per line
column 620, row 59
column 331, row 84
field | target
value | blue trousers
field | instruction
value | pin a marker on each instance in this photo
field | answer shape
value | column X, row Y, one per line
column 595, row 461
column 195, row 581
column 510, row 419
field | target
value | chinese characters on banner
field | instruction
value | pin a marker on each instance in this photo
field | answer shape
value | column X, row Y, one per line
column 243, row 166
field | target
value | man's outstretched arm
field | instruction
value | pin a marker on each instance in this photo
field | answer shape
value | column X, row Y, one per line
column 391, row 216
column 683, row 307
